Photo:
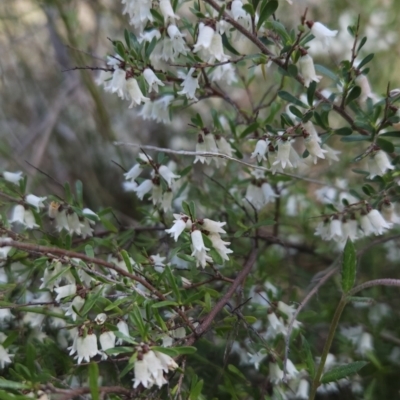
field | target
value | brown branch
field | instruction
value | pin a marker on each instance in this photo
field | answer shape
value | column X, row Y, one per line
column 72, row 393
column 331, row 271
column 208, row 320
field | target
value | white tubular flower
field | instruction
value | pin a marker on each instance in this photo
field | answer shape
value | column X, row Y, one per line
column 378, row 164
column 134, row 172
column 100, row 318
column 314, row 148
column 142, row 374
column 291, row 369
column 144, row 188
column 276, row 324
column 320, row 31
column 139, row 12
column 167, row 362
column 255, row 196
column 107, row 341
column 4, row 250
column 275, row 373
column 124, row 329
column 224, row 73
column 200, row 148
column 197, row 241
column 167, row 11
column 13, row 177
column 65, row 291
column 52, row 211
column 303, row 390
column 211, row 147
column 118, row 83
column 61, row 221
column 331, row 154
column 29, row 219
column 166, row 203
column 35, row 201
column 177, row 44
column 310, row 128
column 283, row 154
column 18, row 214
column 180, row 223
column 204, row 38
column 157, row 262
column 350, row 229
column 323, row 230
column 378, row 223
column 220, row 246
column 74, row 224
column 239, row 14
column 103, row 78
column 167, row 174
column 199, row 249
column 363, row 83
column 86, row 347
column 335, row 229
column 5, row 357
column 269, row 194
column 212, row 226
column 134, row 92
column 365, row 344
column 307, row 68
column 260, row 150
column 129, row 186
column 366, row 225
column 152, row 80
column 190, row 84
column 216, row 50
column 223, row 145
column 148, row 36
column 157, row 110
column 156, row 194
column 76, row 303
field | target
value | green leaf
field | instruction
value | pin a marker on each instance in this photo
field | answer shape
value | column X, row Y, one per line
column 366, row 60
column 307, row 356
column 368, row 190
column 195, row 390
column 169, row 351
column 89, row 251
column 127, row 260
column 385, row 145
column 248, row 8
column 216, row 257
column 164, row 303
column 362, row 42
column 127, row 39
column 250, row 129
column 68, row 194
column 291, row 99
column 354, row 94
column 172, row 282
column 90, row 302
column 228, row 46
column 355, row 138
column 120, row 349
column 343, row 371
column 6, row 384
column 235, row 371
column 311, row 92
column 267, row 10
column 93, row 381
column 349, row 266
column 79, row 192
column 185, row 350
column 345, row 131
column 296, row 112
column 395, row 134
column 325, row 71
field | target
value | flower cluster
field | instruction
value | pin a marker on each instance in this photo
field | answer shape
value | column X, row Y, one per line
column 199, row 227
column 159, row 195
column 150, row 367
